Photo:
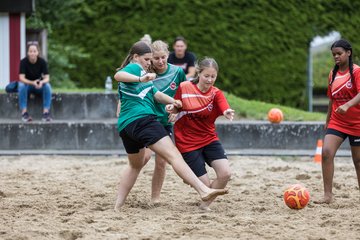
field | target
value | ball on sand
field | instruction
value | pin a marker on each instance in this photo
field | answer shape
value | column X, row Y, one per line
column 296, row 196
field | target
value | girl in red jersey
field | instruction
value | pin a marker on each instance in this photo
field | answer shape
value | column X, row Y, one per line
column 343, row 118
column 194, row 128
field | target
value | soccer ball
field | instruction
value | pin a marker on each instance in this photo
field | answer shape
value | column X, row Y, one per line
column 296, row 196
column 275, row 115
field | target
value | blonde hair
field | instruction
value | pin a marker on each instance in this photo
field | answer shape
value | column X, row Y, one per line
column 146, row 38
column 202, row 64
column 159, row 45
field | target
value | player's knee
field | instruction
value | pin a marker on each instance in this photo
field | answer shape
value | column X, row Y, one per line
column 327, row 154
column 160, row 164
column 356, row 163
column 225, row 175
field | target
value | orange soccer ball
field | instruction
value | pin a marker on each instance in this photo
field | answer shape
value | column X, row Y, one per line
column 275, row 115
column 296, row 196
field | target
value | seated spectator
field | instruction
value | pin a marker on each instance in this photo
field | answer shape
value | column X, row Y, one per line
column 183, row 58
column 34, row 78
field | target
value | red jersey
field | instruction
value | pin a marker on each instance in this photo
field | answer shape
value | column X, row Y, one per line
column 341, row 91
column 195, row 124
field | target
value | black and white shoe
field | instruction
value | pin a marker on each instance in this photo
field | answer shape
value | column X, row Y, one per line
column 26, row 117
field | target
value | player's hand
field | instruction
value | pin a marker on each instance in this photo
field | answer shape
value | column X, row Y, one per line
column 342, row 109
column 147, row 77
column 170, row 108
column 229, row 114
column 172, row 117
column 177, row 104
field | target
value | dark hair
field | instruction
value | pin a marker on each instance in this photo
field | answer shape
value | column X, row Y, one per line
column 347, row 46
column 140, row 48
column 206, row 62
column 180, row 38
column 33, row 43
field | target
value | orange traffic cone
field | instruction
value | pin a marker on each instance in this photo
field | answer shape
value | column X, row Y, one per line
column 317, row 157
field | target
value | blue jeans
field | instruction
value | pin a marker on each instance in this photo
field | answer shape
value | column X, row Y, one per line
column 25, row 89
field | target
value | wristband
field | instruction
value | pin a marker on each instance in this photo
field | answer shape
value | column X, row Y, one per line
column 139, row 79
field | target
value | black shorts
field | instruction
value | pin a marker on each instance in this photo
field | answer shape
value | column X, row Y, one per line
column 169, row 129
column 196, row 159
column 141, row 133
column 353, row 140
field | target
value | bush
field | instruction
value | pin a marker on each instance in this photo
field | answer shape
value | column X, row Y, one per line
column 261, row 45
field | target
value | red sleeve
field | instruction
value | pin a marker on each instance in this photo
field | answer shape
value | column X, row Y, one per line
column 357, row 79
column 221, row 101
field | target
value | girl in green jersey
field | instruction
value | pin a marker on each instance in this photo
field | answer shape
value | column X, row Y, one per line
column 139, row 128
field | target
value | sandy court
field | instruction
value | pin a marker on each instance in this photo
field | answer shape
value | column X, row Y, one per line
column 72, row 197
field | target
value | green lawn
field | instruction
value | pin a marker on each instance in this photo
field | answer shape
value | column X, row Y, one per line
column 256, row 110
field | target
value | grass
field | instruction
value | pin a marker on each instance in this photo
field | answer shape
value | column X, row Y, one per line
column 244, row 109
column 256, row 110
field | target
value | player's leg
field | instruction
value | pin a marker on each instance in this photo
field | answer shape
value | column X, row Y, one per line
column 129, row 176
column 223, row 174
column 216, row 157
column 158, row 178
column 159, row 173
column 136, row 156
column 355, row 152
column 167, row 150
column 332, row 142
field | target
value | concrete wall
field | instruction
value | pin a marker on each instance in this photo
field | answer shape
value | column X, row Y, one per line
column 65, row 106
column 86, row 122
column 104, row 136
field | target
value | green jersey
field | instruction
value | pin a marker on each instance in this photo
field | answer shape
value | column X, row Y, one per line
column 167, row 82
column 137, row 99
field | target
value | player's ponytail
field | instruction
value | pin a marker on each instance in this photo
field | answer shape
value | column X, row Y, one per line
column 140, row 48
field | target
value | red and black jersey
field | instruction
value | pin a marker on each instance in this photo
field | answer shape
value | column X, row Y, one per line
column 341, row 91
column 195, row 124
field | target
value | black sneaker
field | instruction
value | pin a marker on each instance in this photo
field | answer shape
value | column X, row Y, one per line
column 26, row 117
column 46, row 117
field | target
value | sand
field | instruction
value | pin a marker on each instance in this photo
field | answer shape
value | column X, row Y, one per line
column 72, row 197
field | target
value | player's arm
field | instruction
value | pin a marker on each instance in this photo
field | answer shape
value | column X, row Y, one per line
column 118, row 109
column 224, row 106
column 191, row 73
column 328, row 113
column 172, row 104
column 122, row 76
column 354, row 101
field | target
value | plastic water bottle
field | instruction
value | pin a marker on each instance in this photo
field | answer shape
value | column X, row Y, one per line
column 108, row 84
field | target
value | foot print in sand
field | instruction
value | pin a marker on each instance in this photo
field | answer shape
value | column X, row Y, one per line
column 303, row 176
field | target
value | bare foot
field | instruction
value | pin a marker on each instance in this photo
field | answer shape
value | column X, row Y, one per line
column 214, row 193
column 155, row 200
column 204, row 208
column 327, row 199
column 118, row 205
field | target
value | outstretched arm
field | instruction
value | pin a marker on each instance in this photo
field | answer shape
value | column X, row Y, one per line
column 229, row 114
column 122, row 76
